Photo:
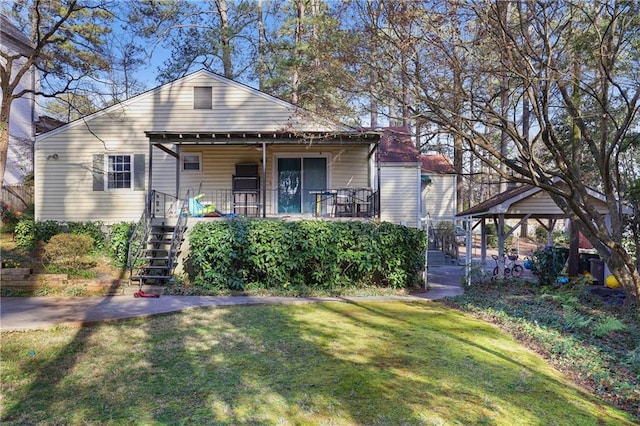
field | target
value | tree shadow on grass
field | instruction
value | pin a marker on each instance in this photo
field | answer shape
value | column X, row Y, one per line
column 348, row 363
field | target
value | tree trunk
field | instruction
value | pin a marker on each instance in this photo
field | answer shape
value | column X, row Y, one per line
column 227, row 62
column 295, row 78
column 623, row 269
column 5, row 111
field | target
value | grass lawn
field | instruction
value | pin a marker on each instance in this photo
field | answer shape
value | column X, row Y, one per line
column 329, row 363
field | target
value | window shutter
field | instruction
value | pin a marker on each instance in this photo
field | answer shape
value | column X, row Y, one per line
column 138, row 172
column 98, row 172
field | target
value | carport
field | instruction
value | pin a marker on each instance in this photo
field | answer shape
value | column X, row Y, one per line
column 519, row 203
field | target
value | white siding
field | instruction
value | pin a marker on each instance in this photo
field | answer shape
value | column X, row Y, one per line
column 400, row 193
column 438, row 197
column 64, row 186
column 347, row 166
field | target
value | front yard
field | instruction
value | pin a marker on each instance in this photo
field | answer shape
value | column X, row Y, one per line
column 328, row 363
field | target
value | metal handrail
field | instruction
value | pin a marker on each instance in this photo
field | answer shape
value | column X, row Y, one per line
column 178, row 230
column 139, row 235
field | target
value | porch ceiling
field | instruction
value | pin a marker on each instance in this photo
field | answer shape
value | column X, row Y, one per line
column 244, row 138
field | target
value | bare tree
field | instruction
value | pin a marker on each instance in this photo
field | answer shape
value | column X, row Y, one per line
column 67, row 47
column 508, row 57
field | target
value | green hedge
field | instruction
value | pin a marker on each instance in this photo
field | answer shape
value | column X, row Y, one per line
column 244, row 253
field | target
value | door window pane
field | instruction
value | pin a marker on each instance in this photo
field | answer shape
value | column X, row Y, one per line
column 289, row 185
column 314, row 179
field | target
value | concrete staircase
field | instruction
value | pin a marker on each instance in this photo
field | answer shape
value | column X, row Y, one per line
column 437, row 258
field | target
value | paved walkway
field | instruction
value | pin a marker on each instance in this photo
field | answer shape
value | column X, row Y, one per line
column 30, row 313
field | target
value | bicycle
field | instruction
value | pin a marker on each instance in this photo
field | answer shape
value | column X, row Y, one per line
column 511, row 268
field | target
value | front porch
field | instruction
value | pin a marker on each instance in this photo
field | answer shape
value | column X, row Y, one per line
column 257, row 175
column 325, row 203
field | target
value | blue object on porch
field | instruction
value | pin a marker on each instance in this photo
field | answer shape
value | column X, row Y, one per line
column 196, row 209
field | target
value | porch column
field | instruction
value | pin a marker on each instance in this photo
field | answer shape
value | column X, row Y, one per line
column 483, row 240
column 264, row 179
column 178, row 172
column 500, row 231
column 150, row 180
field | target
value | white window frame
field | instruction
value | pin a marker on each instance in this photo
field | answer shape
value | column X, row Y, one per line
column 191, row 154
column 301, row 155
column 107, row 171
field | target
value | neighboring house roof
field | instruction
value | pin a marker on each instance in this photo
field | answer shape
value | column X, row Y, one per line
column 11, row 35
column 396, row 146
column 46, row 124
column 437, row 163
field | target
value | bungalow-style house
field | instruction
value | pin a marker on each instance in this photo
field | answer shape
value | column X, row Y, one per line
column 246, row 152
column 204, row 145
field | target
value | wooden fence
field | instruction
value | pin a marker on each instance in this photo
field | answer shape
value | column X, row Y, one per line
column 19, row 197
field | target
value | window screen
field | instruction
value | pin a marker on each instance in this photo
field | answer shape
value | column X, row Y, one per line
column 191, row 162
column 202, row 98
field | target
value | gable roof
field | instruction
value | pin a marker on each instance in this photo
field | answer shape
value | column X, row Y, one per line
column 306, row 121
column 506, row 202
column 492, row 204
column 396, row 146
column 436, row 163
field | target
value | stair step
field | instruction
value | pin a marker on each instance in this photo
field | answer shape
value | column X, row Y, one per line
column 150, row 277
column 154, row 268
column 162, row 228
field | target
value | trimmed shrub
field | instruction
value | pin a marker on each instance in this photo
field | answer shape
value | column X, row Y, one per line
column 69, row 251
column 242, row 253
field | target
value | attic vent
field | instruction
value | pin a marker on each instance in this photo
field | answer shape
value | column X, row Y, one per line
column 202, row 98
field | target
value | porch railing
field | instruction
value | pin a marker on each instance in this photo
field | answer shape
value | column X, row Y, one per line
column 328, row 203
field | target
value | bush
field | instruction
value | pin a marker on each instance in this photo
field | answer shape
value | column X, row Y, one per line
column 240, row 254
column 28, row 232
column 560, row 238
column 118, row 244
column 9, row 218
column 90, row 229
column 46, row 230
column 69, row 251
column 548, row 263
column 541, row 235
